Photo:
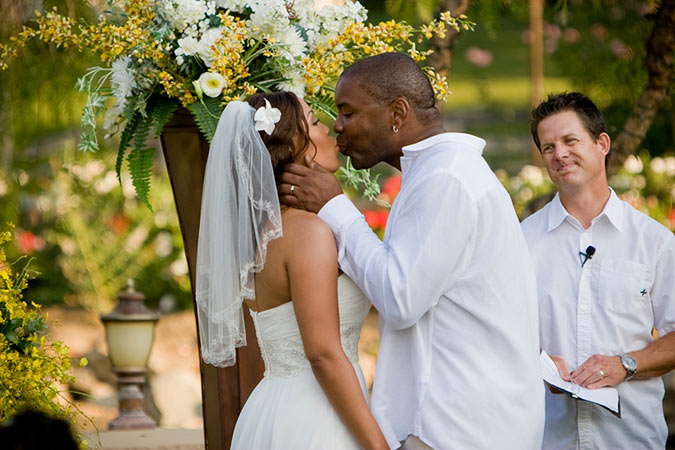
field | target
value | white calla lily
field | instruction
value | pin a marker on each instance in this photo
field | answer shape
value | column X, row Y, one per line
column 265, row 118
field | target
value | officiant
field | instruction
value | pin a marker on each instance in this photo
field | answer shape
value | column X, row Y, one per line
column 606, row 280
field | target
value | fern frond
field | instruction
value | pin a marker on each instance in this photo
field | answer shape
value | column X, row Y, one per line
column 142, row 132
column 140, row 164
column 125, row 139
column 162, row 112
column 324, row 103
column 206, row 115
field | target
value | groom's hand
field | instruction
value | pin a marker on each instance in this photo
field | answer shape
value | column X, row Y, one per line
column 308, row 188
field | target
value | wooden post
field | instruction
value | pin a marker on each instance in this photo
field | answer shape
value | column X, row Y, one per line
column 536, row 63
column 224, row 390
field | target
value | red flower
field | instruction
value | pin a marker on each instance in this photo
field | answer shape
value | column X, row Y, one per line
column 392, row 186
column 27, row 242
column 119, row 223
column 377, row 219
column 372, row 218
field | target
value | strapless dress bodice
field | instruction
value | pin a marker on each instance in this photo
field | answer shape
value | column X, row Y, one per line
column 279, row 336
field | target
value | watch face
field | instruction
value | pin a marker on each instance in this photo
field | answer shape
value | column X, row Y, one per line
column 629, row 363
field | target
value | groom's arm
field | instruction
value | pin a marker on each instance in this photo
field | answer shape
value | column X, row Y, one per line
column 425, row 249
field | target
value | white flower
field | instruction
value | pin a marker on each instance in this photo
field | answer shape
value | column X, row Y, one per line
column 267, row 18
column 532, row 174
column 632, row 164
column 670, row 165
column 329, row 21
column 238, row 6
column 265, row 118
column 657, row 164
column 206, row 43
column 212, row 83
column 188, row 46
column 184, row 13
column 291, row 42
column 122, row 81
column 295, row 82
column 112, row 117
column 198, row 89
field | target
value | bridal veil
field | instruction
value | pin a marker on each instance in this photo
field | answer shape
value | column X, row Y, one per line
column 240, row 214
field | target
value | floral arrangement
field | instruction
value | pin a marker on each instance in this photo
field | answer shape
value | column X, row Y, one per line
column 30, row 367
column 201, row 54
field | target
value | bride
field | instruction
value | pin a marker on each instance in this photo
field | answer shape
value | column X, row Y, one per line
column 308, row 318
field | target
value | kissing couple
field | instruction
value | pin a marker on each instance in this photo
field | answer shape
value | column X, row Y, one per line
column 458, row 362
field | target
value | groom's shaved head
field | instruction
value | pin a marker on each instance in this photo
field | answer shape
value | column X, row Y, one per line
column 389, row 76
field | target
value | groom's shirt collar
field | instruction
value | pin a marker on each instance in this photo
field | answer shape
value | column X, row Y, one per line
column 462, row 140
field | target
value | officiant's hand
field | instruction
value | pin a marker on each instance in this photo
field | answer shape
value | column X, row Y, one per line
column 599, row 371
column 561, row 364
column 308, row 187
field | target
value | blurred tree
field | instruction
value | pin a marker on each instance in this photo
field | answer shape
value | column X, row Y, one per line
column 659, row 63
column 603, row 46
column 441, row 59
column 621, row 54
column 86, row 234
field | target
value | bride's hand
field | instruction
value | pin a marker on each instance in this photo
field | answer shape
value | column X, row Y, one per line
column 308, row 188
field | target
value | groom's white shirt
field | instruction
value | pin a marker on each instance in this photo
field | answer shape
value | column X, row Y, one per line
column 458, row 363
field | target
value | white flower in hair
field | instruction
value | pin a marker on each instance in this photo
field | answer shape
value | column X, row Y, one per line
column 265, row 118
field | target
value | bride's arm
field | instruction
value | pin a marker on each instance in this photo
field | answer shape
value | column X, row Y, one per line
column 312, row 272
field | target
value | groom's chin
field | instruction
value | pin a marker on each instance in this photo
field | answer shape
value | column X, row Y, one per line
column 361, row 164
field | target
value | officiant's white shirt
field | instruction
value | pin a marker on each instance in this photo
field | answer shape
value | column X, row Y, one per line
column 458, row 363
column 608, row 307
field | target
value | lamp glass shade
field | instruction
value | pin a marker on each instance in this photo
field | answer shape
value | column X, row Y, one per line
column 129, row 343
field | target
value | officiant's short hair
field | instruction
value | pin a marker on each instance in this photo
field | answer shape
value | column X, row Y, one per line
column 388, row 76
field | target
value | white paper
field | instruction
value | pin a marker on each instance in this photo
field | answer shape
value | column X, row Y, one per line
column 607, row 396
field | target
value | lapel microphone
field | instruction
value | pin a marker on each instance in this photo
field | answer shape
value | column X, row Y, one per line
column 588, row 254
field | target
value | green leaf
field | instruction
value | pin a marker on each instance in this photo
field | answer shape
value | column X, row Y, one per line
column 35, row 325
column 324, row 103
column 206, row 115
column 355, row 177
column 142, row 132
column 162, row 112
column 11, row 337
column 140, row 164
column 125, row 139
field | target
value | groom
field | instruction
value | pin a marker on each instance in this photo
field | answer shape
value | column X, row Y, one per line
column 458, row 364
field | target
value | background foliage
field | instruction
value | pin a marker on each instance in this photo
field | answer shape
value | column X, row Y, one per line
column 34, row 372
column 88, row 234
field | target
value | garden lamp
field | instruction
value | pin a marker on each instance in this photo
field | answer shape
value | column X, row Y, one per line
column 129, row 330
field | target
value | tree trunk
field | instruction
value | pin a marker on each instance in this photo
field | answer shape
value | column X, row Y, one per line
column 659, row 62
column 441, row 58
column 536, row 64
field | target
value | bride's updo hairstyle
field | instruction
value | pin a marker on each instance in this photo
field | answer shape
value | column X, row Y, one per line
column 291, row 133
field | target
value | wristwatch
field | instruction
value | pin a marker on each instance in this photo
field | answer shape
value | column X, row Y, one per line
column 628, row 363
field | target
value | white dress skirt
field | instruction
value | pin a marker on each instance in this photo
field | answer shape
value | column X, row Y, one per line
column 288, row 409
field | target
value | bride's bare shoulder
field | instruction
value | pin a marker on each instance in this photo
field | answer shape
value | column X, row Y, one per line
column 302, row 227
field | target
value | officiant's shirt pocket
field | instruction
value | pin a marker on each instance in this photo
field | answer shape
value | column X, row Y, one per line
column 622, row 286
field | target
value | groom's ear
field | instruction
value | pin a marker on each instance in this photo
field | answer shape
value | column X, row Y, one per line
column 400, row 111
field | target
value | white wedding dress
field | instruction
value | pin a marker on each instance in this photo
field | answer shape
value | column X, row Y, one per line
column 288, row 409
